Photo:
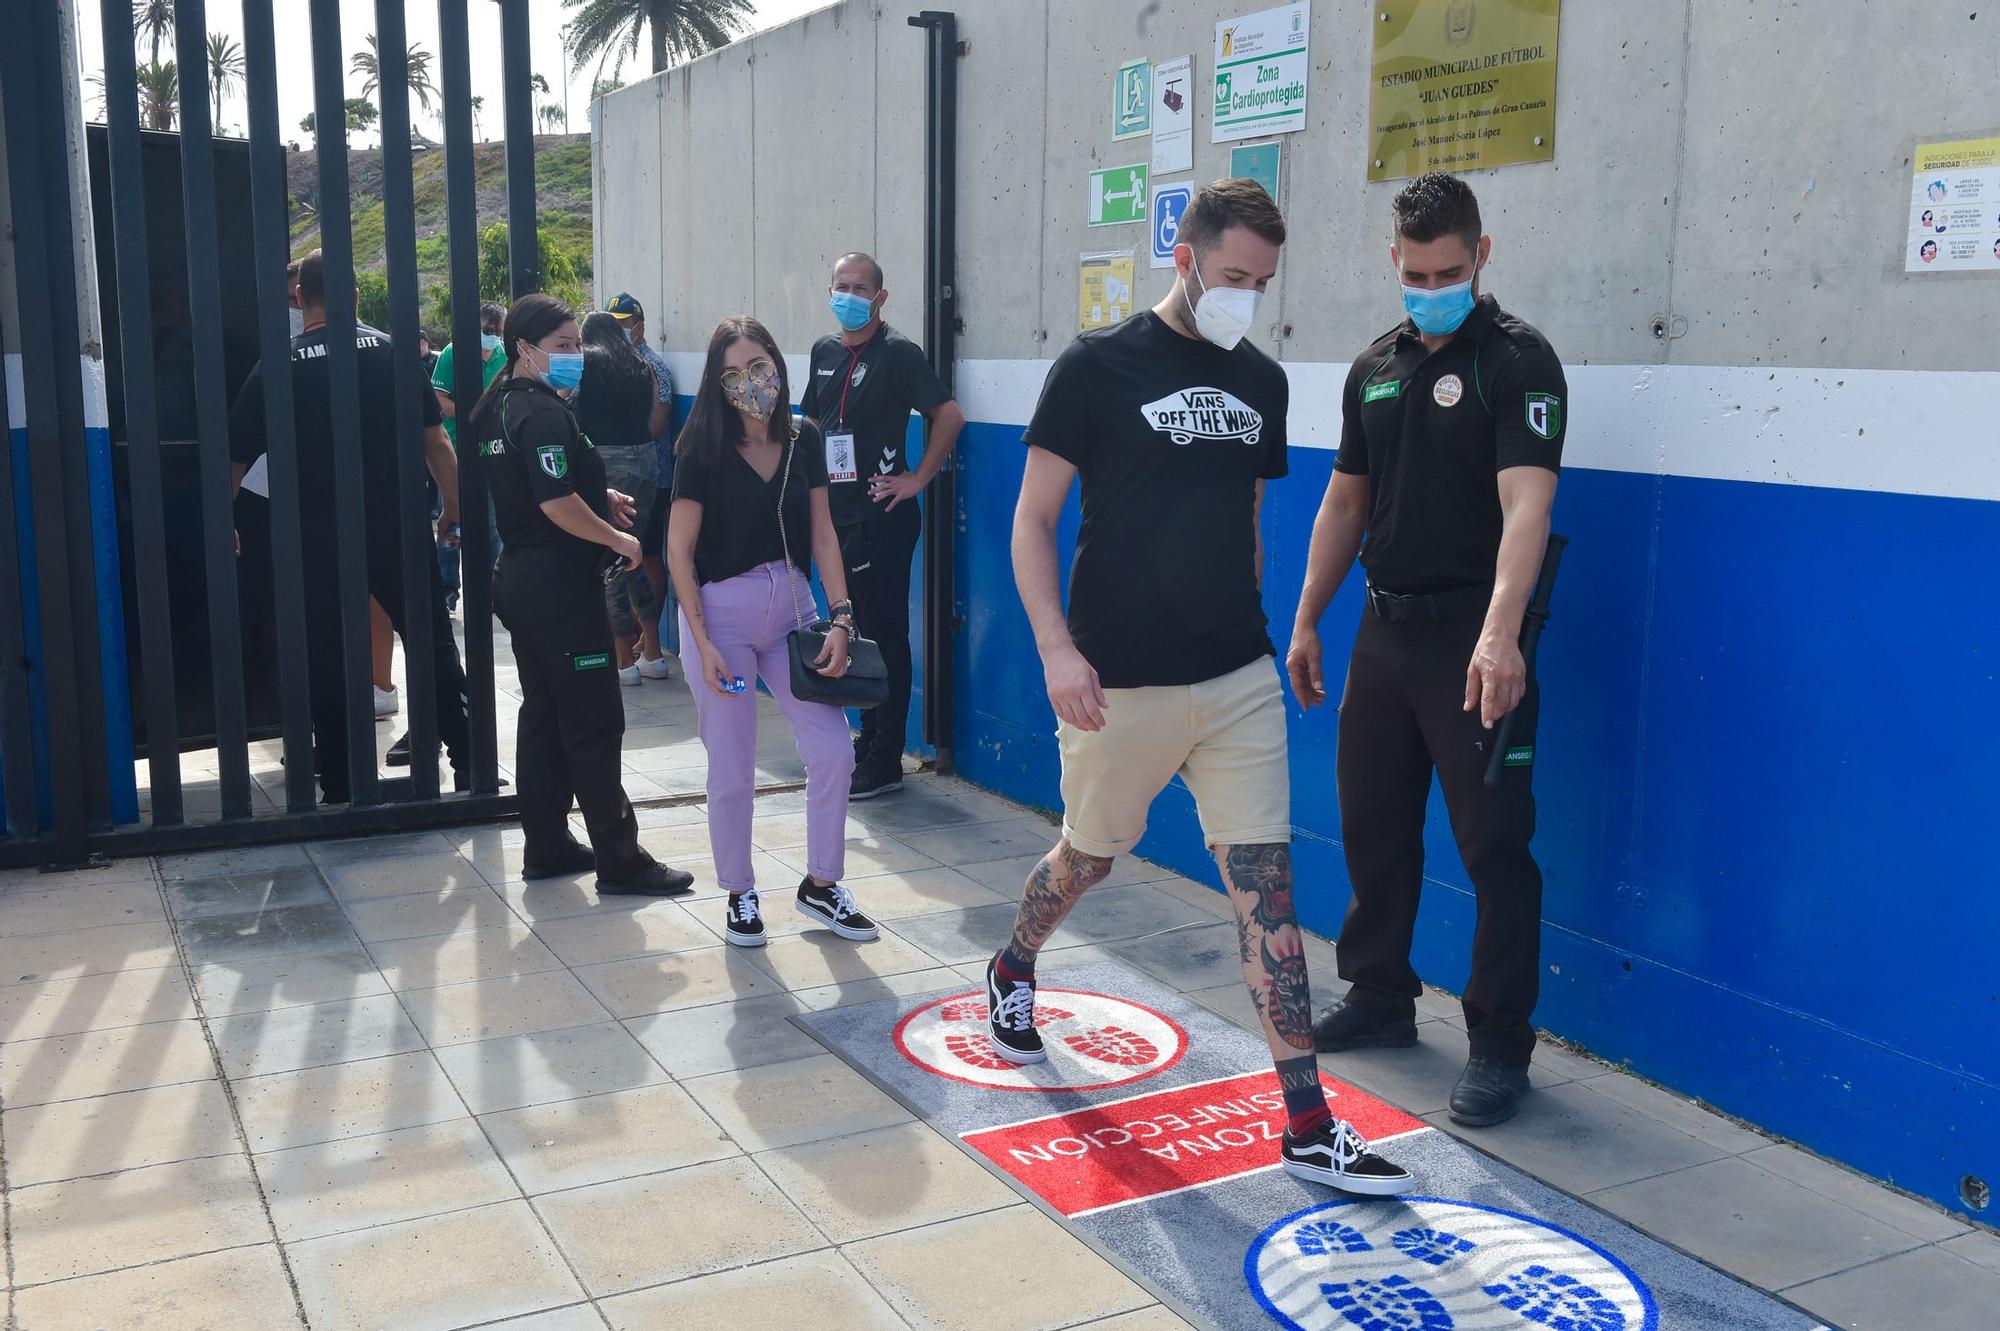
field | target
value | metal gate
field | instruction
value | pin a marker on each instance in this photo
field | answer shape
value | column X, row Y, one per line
column 67, row 712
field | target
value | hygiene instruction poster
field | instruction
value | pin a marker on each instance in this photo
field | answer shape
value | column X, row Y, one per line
column 1955, row 208
column 1104, row 289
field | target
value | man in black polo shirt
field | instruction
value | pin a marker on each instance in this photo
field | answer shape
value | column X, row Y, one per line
column 863, row 385
column 1451, row 435
column 379, row 529
column 1173, row 425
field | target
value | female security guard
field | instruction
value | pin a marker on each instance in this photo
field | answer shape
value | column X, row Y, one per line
column 555, row 516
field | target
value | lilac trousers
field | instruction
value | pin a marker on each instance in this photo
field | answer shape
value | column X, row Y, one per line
column 748, row 618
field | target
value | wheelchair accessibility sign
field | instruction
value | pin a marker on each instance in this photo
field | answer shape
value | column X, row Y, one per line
column 1170, row 202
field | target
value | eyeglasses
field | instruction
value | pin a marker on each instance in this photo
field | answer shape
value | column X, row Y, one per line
column 733, row 380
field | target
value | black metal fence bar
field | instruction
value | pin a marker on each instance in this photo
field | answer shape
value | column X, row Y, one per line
column 204, row 270
column 419, row 553
column 17, row 755
column 462, row 224
column 269, row 201
column 336, row 232
column 524, row 242
column 142, row 425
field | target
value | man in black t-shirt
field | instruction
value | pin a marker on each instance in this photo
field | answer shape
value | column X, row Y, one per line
column 862, row 386
column 1451, row 434
column 379, row 528
column 1174, row 425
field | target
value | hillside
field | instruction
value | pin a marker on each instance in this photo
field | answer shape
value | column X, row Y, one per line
column 562, row 200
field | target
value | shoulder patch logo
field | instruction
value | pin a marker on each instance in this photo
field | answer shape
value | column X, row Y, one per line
column 1545, row 414
column 554, row 459
column 1204, row 413
column 1376, row 392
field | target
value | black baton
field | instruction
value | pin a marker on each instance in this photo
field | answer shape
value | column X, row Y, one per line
column 1531, row 633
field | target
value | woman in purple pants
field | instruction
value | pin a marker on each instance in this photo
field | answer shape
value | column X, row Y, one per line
column 749, row 517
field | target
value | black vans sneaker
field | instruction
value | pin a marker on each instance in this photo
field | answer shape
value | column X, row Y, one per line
column 1010, row 1017
column 834, row 907
column 1338, row 1156
column 647, row 878
column 745, row 919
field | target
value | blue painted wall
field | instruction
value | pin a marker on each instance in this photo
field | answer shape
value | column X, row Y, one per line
column 1769, row 880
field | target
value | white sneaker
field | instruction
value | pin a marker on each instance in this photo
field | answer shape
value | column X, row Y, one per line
column 388, row 702
column 655, row 669
column 629, row 677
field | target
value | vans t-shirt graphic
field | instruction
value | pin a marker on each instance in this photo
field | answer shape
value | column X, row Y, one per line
column 1170, row 436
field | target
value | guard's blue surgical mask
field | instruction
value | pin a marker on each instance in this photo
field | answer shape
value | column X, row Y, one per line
column 1441, row 311
column 565, row 368
column 850, row 311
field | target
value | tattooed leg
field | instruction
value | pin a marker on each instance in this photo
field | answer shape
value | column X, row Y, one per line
column 1054, row 886
column 1267, row 935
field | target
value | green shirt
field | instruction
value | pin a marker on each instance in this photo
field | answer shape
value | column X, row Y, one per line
column 441, row 377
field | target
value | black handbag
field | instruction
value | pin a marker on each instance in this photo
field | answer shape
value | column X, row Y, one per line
column 866, row 683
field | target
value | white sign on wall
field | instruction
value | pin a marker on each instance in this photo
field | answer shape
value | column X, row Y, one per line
column 1173, row 116
column 1260, row 73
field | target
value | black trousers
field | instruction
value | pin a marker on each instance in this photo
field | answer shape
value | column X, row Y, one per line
column 1403, row 715
column 878, row 555
column 572, row 722
column 329, row 697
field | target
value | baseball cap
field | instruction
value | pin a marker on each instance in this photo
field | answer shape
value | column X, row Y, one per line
column 625, row 305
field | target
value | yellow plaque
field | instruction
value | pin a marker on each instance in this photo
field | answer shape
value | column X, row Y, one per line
column 1104, row 289
column 1461, row 84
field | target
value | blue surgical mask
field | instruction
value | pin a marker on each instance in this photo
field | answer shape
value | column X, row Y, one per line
column 564, row 371
column 489, row 343
column 1441, row 311
column 852, row 312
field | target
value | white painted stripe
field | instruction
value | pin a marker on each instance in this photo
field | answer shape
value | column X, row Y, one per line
column 1061, row 1114
column 1226, row 1178
column 96, row 407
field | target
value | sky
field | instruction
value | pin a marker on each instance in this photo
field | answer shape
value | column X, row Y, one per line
column 357, row 20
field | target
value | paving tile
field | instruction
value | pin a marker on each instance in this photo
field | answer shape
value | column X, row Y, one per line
column 273, row 889
column 784, row 1104
column 1417, row 1080
column 685, row 841
column 1231, row 1002
column 646, row 1231
column 129, row 1058
column 869, row 988
column 576, row 1317
column 288, row 1109
column 670, row 815
column 259, row 935
column 1700, row 1123
column 1155, row 1318
column 475, row 954
column 1104, row 915
column 227, row 863
column 891, row 1178
column 576, row 1143
column 821, row 957
column 1980, row 1247
column 919, row 808
column 243, row 1289
column 509, row 1005
column 1011, row 1270
column 1200, row 957
column 865, row 856
column 677, row 980
column 1009, row 876
column 766, row 1297
column 453, row 910
column 638, row 931
column 107, row 1133
column 435, row 1274
column 984, row 842
column 85, row 1225
column 521, row 1070
column 362, row 850
column 1926, row 1290
column 93, row 1002
column 296, row 981
column 1852, row 1190
column 359, row 1182
column 286, row 1039
column 1749, row 1221
column 1203, row 897
column 79, row 952
column 783, row 831
column 724, row 1036
column 61, row 905
column 894, row 896
column 1580, row 1142
column 419, row 875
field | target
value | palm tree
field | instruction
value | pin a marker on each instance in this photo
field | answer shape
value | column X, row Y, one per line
column 153, row 19
column 680, row 29
column 477, row 103
column 551, row 117
column 366, row 64
column 159, row 94
column 225, row 69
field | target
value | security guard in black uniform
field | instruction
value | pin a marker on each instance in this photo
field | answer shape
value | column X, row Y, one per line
column 557, row 535
column 1451, row 436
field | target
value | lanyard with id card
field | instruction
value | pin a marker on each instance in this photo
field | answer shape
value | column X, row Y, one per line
column 841, row 462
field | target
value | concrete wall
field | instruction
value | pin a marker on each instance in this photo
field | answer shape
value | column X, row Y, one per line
column 1765, row 767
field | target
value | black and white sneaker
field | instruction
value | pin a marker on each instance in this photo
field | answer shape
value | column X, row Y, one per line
column 745, row 917
column 1010, row 1017
column 1338, row 1156
column 834, row 907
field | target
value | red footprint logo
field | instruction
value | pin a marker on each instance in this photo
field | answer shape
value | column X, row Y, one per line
column 1114, row 1044
column 975, row 1050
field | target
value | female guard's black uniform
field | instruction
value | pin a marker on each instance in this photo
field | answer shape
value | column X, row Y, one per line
column 549, row 592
